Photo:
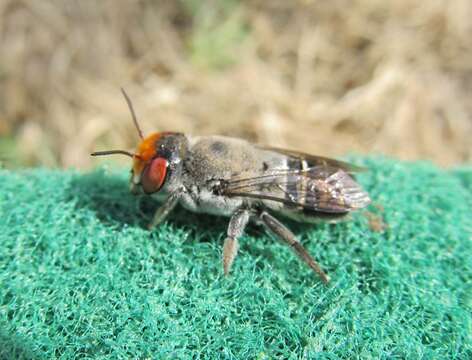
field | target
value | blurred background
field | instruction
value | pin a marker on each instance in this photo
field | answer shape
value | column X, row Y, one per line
column 326, row 77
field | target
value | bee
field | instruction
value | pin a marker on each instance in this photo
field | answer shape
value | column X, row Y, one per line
column 246, row 182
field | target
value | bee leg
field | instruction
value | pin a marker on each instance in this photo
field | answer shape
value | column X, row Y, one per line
column 164, row 210
column 236, row 227
column 281, row 231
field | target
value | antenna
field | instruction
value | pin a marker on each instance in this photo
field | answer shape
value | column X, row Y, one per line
column 133, row 115
column 113, row 152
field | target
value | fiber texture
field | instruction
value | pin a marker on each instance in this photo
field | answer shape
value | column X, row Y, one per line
column 82, row 277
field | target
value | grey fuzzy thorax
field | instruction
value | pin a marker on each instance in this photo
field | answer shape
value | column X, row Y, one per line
column 211, row 160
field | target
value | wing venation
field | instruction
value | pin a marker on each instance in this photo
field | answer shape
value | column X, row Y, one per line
column 322, row 188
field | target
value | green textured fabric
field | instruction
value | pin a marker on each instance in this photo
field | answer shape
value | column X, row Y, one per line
column 81, row 276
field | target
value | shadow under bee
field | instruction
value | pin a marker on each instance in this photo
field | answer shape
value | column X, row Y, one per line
column 108, row 196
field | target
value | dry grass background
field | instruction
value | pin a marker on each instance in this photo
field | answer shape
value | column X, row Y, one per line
column 328, row 77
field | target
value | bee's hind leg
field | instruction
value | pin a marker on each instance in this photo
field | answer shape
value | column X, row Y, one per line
column 281, row 231
column 167, row 206
column 236, row 227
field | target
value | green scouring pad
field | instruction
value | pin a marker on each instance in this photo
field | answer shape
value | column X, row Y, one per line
column 82, row 277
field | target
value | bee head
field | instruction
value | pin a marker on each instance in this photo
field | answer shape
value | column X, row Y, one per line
column 157, row 159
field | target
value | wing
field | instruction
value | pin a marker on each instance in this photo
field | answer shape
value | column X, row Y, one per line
column 326, row 187
column 314, row 160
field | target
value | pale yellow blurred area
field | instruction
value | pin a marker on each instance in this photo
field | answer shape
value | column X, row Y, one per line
column 325, row 77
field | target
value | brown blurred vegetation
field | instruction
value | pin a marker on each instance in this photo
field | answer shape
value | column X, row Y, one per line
column 327, row 77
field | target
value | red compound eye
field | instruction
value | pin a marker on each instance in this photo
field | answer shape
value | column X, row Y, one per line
column 154, row 175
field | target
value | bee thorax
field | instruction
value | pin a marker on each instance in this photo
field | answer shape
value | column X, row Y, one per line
column 204, row 200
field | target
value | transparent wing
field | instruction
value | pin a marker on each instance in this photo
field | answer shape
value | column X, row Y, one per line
column 321, row 188
column 315, row 161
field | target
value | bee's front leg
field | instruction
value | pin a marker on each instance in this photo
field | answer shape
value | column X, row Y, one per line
column 236, row 227
column 164, row 210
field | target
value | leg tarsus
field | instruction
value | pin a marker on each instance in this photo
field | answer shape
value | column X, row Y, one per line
column 164, row 210
column 281, row 231
column 236, row 227
column 230, row 250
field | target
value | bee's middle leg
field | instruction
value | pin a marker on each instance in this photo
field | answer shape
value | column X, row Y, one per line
column 236, row 227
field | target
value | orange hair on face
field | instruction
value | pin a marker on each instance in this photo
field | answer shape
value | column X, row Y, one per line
column 145, row 152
